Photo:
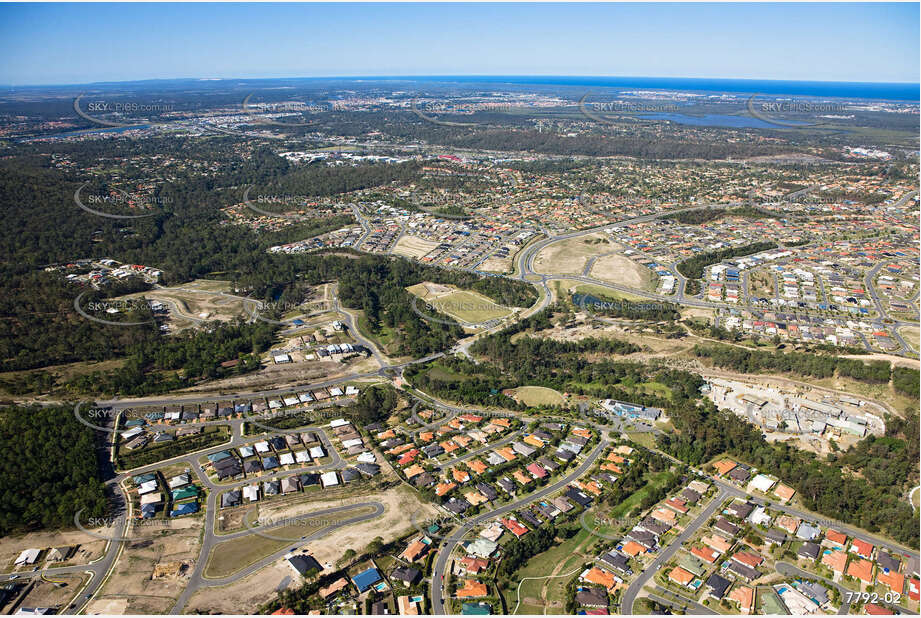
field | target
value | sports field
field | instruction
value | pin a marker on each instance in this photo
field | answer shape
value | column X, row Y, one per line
column 538, row 396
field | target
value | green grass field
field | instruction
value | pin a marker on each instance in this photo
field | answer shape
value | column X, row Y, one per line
column 560, row 559
column 462, row 305
column 538, row 396
column 636, row 497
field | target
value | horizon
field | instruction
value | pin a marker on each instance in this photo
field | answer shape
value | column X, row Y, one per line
column 68, row 44
column 446, row 76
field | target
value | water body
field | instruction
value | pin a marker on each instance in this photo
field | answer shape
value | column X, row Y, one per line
column 906, row 92
column 715, row 120
column 848, row 90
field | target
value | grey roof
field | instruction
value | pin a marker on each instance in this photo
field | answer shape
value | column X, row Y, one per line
column 717, row 585
column 592, row 597
column 615, row 561
column 744, row 570
column 808, row 550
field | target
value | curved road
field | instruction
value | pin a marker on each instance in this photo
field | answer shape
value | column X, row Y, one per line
column 447, row 548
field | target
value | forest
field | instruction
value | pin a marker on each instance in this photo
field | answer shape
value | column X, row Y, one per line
column 48, row 469
column 742, row 360
column 693, row 268
column 835, row 488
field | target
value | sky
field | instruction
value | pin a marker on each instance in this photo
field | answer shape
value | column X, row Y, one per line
column 85, row 43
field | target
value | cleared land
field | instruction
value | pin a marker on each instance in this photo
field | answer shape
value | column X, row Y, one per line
column 620, row 269
column 537, row 396
column 413, row 246
column 911, row 335
column 231, row 556
column 569, row 257
column 197, row 300
column 562, row 288
column 244, row 595
column 131, row 580
column 462, row 305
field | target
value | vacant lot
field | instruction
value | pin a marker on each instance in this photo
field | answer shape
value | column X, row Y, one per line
column 413, row 246
column 89, row 548
column 131, row 579
column 911, row 335
column 244, row 595
column 55, row 591
column 620, row 269
column 231, row 556
column 537, row 396
column 198, row 300
column 569, row 257
column 461, row 305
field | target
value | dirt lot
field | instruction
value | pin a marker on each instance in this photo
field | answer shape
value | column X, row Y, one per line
column 89, row 547
column 244, row 595
column 231, row 556
column 413, row 246
column 398, row 502
column 570, row 256
column 47, row 593
column 131, row 579
column 274, row 376
column 624, row 271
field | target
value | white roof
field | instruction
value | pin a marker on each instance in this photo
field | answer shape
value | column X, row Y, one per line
column 28, row 556
column 291, row 401
column 351, row 390
column 762, row 482
column 262, row 447
column 251, row 492
column 147, row 487
column 335, row 391
column 305, row 397
column 367, row 457
column 127, row 435
column 179, row 480
column 339, row 422
column 301, row 456
column 286, row 459
column 329, row 479
column 352, row 442
column 316, row 452
column 151, row 499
